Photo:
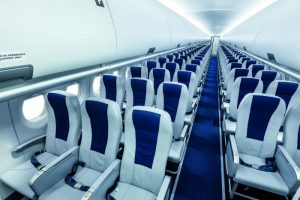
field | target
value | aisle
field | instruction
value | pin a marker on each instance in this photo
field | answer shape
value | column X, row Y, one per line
column 201, row 177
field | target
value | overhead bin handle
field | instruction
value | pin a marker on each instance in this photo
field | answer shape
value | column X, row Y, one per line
column 100, row 3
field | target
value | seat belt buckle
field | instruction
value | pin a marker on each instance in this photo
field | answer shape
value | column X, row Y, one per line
column 78, row 186
column 255, row 166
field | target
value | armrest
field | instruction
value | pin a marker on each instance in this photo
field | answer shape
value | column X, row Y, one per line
column 99, row 189
column 194, row 104
column 288, row 169
column 54, row 171
column 232, row 157
column 297, row 195
column 164, row 189
column 184, row 131
column 29, row 143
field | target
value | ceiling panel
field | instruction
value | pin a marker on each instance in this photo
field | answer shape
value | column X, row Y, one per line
column 217, row 16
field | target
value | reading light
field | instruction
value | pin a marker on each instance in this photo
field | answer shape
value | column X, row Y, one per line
column 177, row 9
column 264, row 4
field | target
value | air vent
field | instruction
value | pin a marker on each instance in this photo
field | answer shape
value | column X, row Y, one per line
column 100, row 3
column 151, row 50
column 23, row 72
column 271, row 57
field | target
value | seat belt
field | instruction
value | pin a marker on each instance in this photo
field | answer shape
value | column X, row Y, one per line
column 69, row 180
column 35, row 162
column 269, row 167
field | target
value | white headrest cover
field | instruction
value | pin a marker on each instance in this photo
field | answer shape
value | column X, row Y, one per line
column 148, row 138
column 64, row 121
column 173, row 98
column 112, row 88
column 258, row 122
column 101, row 132
column 139, row 92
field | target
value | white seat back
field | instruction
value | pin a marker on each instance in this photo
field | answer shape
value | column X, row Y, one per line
column 64, row 121
column 139, row 92
column 101, row 133
column 259, row 119
column 241, row 87
column 148, row 138
column 173, row 98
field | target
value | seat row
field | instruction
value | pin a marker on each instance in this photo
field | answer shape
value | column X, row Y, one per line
column 152, row 137
column 259, row 110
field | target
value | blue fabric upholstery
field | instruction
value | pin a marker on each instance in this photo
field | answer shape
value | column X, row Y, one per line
column 172, row 68
column 176, row 55
column 257, row 68
column 247, row 85
column 150, row 65
column 191, row 67
column 250, row 62
column 97, row 112
column 240, row 72
column 244, row 59
column 136, row 72
column 162, row 61
column 158, row 75
column 235, row 65
column 184, row 57
column 172, row 94
column 139, row 88
column 232, row 61
column 262, row 109
column 110, row 83
column 146, row 125
column 196, row 62
column 199, row 58
column 179, row 61
column 184, row 77
column 170, row 57
column 59, row 106
column 286, row 90
column 267, row 77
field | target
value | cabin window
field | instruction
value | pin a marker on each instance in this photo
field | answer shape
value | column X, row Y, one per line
column 34, row 108
column 74, row 89
column 96, row 85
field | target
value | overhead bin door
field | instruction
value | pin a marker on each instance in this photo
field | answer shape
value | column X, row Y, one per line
column 55, row 35
column 140, row 26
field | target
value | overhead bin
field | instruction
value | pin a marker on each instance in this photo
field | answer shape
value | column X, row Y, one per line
column 271, row 32
column 55, row 35
column 139, row 26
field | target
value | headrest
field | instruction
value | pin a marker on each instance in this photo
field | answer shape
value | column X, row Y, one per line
column 136, row 71
column 184, row 77
column 191, row 67
column 196, row 62
column 101, row 132
column 284, row 89
column 258, row 122
column 240, row 72
column 64, row 122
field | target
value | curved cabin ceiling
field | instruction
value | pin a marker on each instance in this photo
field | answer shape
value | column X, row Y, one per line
column 217, row 17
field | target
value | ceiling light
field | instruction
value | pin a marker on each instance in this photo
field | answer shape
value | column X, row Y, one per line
column 264, row 4
column 177, row 9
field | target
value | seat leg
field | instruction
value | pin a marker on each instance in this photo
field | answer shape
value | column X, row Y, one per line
column 231, row 194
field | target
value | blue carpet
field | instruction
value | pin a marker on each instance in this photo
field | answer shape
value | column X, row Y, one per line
column 200, row 176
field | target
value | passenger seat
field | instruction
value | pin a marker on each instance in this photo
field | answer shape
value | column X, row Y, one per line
column 91, row 172
column 148, row 137
column 112, row 88
column 63, row 132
